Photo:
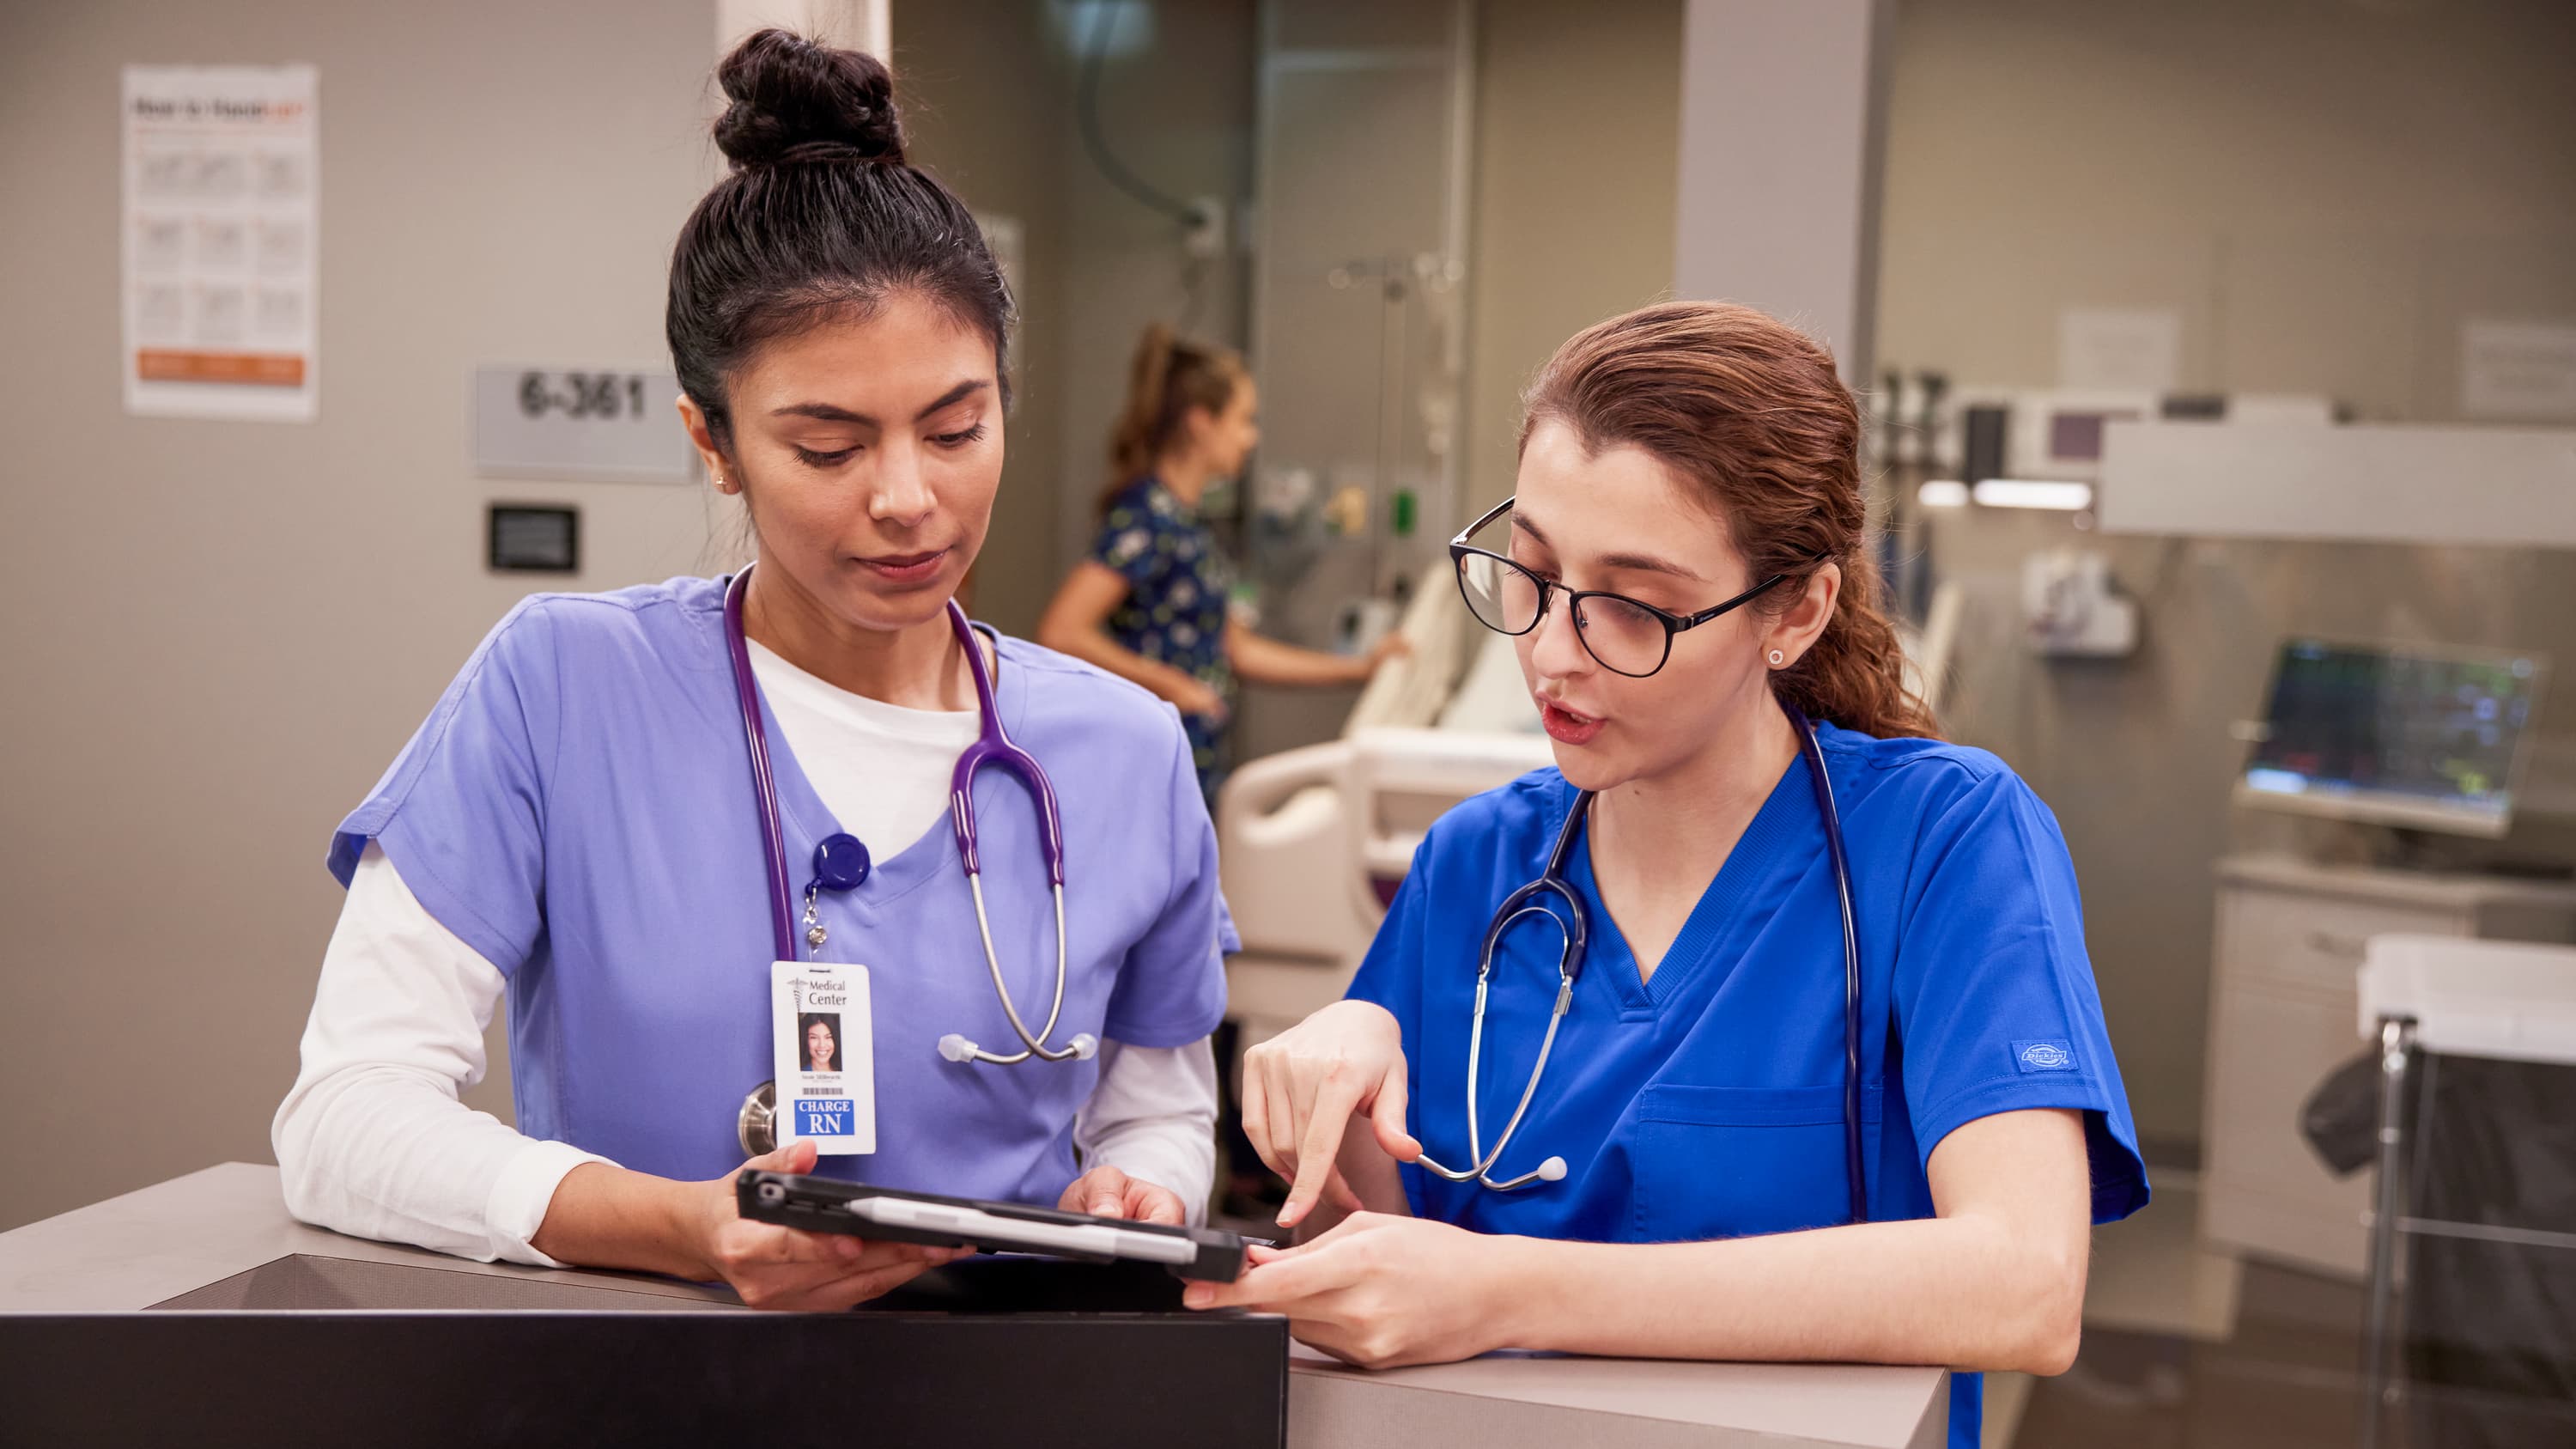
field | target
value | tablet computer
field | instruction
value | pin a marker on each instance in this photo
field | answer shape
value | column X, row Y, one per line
column 828, row 1205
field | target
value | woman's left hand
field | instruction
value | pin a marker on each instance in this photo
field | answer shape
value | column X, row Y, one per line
column 1379, row 1291
column 1105, row 1192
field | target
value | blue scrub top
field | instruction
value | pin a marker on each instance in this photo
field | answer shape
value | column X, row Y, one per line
column 579, row 809
column 1708, row 1103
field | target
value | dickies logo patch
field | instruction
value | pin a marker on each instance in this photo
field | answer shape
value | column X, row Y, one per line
column 2044, row 1056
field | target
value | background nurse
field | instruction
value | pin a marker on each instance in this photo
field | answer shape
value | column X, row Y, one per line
column 1676, row 457
column 1153, row 602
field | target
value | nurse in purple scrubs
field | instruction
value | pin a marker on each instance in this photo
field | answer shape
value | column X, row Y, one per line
column 575, row 825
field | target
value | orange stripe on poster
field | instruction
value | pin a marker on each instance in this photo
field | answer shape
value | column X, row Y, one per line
column 260, row 369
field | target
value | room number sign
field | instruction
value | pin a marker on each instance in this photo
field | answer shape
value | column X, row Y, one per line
column 606, row 424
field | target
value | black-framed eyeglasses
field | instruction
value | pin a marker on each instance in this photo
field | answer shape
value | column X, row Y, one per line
column 1624, row 635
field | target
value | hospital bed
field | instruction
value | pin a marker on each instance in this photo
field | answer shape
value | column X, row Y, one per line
column 1312, row 842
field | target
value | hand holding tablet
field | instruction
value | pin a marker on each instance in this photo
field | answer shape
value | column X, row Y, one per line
column 827, row 1205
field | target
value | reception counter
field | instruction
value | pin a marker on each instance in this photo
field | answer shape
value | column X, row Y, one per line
column 205, row 1289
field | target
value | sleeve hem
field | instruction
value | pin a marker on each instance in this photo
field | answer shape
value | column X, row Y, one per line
column 447, row 906
column 523, row 1192
column 2006, row 1094
column 2117, row 1183
column 1167, row 1032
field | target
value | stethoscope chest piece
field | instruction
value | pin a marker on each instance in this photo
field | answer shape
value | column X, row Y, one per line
column 756, row 1126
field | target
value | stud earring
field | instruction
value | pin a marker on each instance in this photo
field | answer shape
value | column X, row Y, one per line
column 1778, row 658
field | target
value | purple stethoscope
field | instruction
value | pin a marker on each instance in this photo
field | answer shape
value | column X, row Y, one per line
column 841, row 862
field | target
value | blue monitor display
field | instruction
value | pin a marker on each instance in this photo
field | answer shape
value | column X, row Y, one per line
column 2428, row 738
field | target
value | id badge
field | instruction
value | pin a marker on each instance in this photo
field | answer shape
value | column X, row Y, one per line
column 826, row 1062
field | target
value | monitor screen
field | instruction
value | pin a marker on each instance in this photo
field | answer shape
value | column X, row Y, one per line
column 2427, row 738
column 2076, row 435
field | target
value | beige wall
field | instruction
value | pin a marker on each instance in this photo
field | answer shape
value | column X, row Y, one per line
column 221, row 632
column 1782, row 121
column 1577, row 143
column 2321, row 189
column 977, row 80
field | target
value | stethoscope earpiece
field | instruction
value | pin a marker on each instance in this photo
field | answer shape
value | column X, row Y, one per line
column 956, row 1048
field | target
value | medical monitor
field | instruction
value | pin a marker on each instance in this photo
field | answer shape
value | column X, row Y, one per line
column 2419, row 737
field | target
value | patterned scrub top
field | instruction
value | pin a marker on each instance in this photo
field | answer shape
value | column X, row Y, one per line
column 1178, row 583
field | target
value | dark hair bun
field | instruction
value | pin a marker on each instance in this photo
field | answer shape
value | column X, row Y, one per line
column 795, row 100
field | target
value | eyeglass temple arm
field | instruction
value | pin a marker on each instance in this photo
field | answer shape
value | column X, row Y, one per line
column 1471, row 530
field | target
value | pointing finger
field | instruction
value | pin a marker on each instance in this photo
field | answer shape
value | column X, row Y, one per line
column 1321, row 1145
column 1253, row 1108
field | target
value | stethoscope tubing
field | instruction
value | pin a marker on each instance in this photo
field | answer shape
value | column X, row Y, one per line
column 1031, row 1045
column 992, row 746
column 782, row 914
column 1576, row 926
column 1853, row 1165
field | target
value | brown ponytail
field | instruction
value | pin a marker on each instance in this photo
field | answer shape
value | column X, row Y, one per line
column 1166, row 380
column 1751, row 410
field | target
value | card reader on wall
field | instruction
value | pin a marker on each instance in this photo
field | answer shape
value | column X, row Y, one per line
column 541, row 540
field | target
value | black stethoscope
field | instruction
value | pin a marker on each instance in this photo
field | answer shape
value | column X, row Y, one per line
column 1576, row 925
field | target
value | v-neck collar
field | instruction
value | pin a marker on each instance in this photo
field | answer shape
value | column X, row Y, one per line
column 805, row 818
column 1779, row 842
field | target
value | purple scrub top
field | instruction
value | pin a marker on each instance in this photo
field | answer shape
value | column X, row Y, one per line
column 578, row 809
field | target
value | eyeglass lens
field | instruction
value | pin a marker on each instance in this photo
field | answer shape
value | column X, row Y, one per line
column 1506, row 597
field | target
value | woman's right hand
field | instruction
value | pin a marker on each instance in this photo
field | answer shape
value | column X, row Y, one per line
column 788, row 1269
column 1197, row 696
column 1303, row 1087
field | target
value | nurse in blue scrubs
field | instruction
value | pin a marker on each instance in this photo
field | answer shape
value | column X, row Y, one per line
column 577, row 824
column 1686, row 568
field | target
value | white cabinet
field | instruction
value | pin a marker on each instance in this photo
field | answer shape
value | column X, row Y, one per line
column 2284, row 1011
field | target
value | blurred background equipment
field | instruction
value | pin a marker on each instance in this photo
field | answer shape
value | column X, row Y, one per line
column 1364, row 149
column 2428, row 739
column 2473, row 1217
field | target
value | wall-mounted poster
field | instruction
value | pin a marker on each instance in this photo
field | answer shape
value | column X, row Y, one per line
column 222, row 229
